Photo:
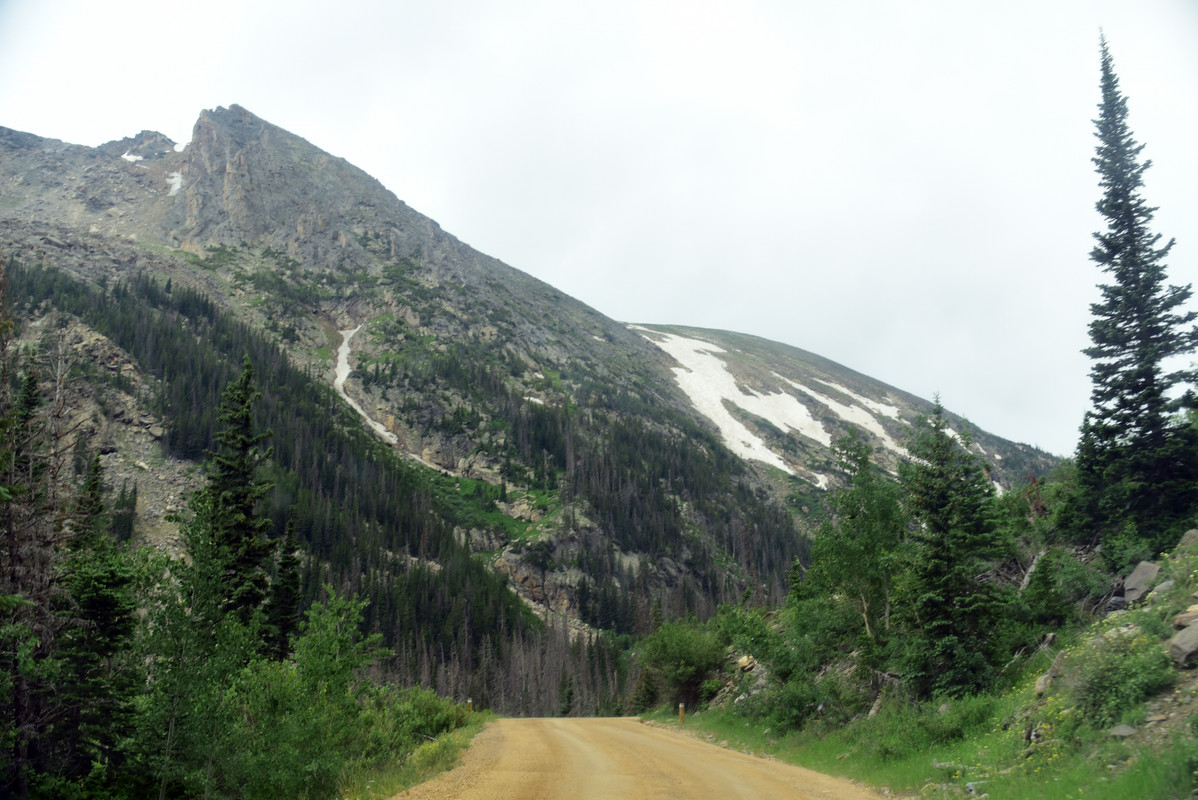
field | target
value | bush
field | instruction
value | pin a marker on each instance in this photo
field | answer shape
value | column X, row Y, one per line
column 1117, row 671
column 682, row 656
column 1057, row 586
column 901, row 730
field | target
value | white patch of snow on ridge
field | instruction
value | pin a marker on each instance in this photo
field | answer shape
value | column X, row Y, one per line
column 883, row 409
column 705, row 379
column 130, row 157
column 853, row 414
column 175, row 179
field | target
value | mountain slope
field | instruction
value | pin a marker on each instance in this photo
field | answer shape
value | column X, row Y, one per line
column 784, row 407
column 564, row 450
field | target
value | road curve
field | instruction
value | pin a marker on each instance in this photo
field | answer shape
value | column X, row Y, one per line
column 584, row 759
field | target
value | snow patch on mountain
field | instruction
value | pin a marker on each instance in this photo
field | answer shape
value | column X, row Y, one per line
column 705, row 379
column 878, row 408
column 857, row 415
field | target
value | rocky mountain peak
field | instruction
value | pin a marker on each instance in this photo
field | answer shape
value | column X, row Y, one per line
column 145, row 146
column 246, row 181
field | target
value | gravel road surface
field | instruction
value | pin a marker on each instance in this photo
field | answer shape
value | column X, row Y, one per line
column 620, row 759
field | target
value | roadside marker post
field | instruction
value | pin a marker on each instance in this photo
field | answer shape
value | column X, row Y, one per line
column 682, row 713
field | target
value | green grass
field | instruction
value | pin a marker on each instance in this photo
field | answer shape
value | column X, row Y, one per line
column 920, row 752
column 466, row 498
column 425, row 763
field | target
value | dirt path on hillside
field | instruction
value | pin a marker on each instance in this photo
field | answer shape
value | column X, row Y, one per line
column 542, row 759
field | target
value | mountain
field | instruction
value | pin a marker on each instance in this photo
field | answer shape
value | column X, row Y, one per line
column 601, row 470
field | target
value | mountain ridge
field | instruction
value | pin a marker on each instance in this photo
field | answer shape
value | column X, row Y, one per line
column 625, row 488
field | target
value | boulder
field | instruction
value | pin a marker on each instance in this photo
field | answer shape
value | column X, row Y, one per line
column 1189, row 538
column 1160, row 589
column 1044, row 682
column 1122, row 731
column 1137, row 584
column 1186, row 618
column 1184, row 645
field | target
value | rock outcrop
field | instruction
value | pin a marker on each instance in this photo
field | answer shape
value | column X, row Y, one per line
column 1137, row 585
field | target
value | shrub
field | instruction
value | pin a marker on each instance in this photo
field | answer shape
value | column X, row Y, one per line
column 682, row 656
column 1059, row 583
column 1116, row 671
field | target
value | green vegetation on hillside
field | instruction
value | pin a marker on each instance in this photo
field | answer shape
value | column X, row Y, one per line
column 358, row 510
column 128, row 675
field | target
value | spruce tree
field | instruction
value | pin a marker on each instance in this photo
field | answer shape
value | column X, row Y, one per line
column 952, row 615
column 30, row 529
column 238, row 530
column 94, row 695
column 283, row 600
column 1136, row 458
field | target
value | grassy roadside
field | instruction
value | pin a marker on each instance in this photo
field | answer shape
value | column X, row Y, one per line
column 1102, row 709
column 976, row 747
column 426, row 762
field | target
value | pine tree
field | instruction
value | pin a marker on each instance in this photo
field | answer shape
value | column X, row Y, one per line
column 238, row 530
column 30, row 527
column 282, row 602
column 123, row 513
column 951, row 613
column 94, row 696
column 1136, row 460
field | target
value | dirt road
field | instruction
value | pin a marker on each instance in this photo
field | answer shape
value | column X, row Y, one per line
column 618, row 759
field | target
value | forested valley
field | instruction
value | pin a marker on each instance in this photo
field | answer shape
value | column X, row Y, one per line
column 122, row 668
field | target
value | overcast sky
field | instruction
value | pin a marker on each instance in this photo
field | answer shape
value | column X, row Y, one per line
column 903, row 187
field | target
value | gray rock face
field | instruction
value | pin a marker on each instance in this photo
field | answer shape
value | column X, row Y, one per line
column 1139, row 582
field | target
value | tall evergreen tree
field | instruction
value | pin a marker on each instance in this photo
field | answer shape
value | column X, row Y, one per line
column 238, row 530
column 30, row 526
column 94, row 695
column 1136, row 459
